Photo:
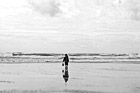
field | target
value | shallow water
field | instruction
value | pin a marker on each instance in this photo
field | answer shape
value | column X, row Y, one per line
column 83, row 78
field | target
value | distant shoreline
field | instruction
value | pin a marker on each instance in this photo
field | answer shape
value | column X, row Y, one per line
column 14, row 58
column 121, row 62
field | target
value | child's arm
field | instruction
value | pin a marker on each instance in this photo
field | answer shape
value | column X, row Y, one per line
column 64, row 59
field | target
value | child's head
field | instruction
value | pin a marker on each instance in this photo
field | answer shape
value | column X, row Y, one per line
column 66, row 55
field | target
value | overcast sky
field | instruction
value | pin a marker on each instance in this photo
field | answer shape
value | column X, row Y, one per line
column 64, row 26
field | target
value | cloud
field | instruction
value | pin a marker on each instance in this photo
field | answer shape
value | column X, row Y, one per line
column 131, row 8
column 135, row 14
column 13, row 7
column 116, row 9
column 44, row 7
column 135, row 10
column 53, row 7
column 68, row 8
column 128, row 8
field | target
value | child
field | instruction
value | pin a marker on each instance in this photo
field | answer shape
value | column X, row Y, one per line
column 66, row 60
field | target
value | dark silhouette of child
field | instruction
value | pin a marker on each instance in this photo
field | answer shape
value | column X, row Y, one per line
column 66, row 60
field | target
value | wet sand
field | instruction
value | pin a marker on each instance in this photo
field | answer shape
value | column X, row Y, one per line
column 83, row 78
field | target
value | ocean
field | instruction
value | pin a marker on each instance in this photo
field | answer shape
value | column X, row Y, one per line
column 74, row 58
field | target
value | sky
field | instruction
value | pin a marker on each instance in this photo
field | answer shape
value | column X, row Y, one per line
column 70, row 26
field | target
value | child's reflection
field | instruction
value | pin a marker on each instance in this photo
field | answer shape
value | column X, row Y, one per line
column 65, row 74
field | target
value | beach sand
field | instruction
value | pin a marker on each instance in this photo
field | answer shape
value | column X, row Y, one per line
column 83, row 78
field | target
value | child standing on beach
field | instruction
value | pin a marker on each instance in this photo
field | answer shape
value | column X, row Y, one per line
column 66, row 60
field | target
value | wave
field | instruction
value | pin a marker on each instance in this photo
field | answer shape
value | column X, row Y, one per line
column 20, row 57
column 70, row 54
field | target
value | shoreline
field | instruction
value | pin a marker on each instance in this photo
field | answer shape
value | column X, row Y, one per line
column 122, row 62
column 50, row 91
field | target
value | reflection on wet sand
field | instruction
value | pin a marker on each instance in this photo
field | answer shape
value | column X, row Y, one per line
column 85, row 78
column 65, row 74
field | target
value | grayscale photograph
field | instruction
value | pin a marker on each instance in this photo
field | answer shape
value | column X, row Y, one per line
column 69, row 46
